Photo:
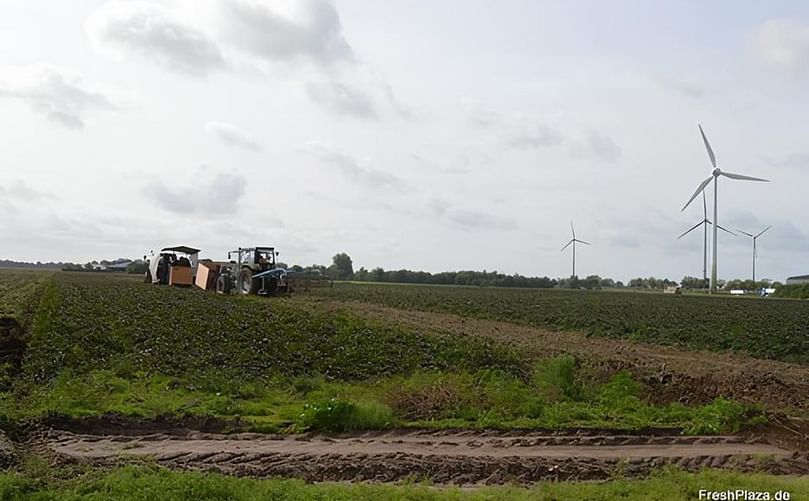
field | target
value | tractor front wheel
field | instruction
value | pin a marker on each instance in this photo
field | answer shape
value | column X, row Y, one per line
column 247, row 284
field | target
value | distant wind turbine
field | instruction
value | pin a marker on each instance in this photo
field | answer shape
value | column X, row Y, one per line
column 715, row 178
column 755, row 252
column 704, row 223
column 573, row 241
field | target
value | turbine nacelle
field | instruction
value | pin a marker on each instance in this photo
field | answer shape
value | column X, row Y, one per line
column 716, row 172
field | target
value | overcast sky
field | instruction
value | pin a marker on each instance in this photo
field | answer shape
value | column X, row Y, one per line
column 428, row 135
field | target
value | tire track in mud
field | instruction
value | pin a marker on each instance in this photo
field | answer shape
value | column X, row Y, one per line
column 465, row 457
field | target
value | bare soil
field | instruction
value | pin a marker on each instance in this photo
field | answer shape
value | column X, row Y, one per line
column 444, row 457
column 670, row 374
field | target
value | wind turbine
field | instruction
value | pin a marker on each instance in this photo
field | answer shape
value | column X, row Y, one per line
column 715, row 178
column 755, row 253
column 705, row 223
column 573, row 241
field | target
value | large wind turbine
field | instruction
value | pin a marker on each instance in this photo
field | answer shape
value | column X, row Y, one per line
column 755, row 253
column 705, row 223
column 715, row 178
column 573, row 241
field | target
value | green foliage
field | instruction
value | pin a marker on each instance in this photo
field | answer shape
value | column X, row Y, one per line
column 88, row 322
column 336, row 414
column 796, row 291
column 554, row 398
column 146, row 483
column 760, row 327
column 722, row 416
column 19, row 290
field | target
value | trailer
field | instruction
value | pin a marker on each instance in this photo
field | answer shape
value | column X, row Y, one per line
column 173, row 266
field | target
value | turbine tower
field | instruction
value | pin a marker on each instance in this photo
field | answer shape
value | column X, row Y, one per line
column 705, row 223
column 755, row 253
column 573, row 241
column 715, row 178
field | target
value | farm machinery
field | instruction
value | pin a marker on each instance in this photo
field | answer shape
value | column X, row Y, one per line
column 173, row 266
column 248, row 270
column 253, row 270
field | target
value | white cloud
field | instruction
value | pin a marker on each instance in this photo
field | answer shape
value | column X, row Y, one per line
column 232, row 135
column 156, row 33
column 599, row 146
column 527, row 134
column 783, row 43
column 351, row 167
column 286, row 30
column 478, row 220
column 18, row 190
column 341, row 98
column 207, row 192
column 61, row 95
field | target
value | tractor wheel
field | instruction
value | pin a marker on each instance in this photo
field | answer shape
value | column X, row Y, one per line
column 248, row 286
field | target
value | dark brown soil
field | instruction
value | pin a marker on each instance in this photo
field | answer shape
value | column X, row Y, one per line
column 439, row 456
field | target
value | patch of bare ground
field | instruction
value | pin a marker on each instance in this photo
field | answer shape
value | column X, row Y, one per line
column 443, row 457
column 669, row 374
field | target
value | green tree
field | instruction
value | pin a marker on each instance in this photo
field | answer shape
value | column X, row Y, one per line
column 343, row 267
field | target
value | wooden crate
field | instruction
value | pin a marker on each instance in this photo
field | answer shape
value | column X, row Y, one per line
column 181, row 275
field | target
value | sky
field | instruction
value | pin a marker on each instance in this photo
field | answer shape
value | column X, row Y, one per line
column 423, row 135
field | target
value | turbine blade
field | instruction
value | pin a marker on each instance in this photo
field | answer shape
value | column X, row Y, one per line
column 691, row 229
column 699, row 189
column 725, row 230
column 583, row 242
column 704, row 206
column 572, row 230
column 744, row 233
column 566, row 246
column 762, row 232
column 708, row 146
column 743, row 178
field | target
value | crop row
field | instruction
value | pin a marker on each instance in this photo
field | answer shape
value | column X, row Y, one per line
column 765, row 328
column 87, row 322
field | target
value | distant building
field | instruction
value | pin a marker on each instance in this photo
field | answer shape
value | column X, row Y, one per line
column 800, row 279
column 119, row 266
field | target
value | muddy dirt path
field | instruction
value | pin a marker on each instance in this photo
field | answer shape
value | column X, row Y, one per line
column 443, row 457
column 671, row 374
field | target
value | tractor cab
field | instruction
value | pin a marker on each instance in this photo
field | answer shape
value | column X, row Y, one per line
column 174, row 266
column 255, row 258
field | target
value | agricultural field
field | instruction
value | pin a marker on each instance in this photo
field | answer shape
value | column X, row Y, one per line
column 433, row 384
column 764, row 328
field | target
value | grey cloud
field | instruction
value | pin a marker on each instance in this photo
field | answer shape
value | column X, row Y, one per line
column 19, row 190
column 685, row 87
column 474, row 220
column 61, row 95
column 341, row 98
column 796, row 160
column 154, row 32
column 207, row 193
column 603, row 147
column 783, row 43
column 468, row 219
column 351, row 168
column 533, row 135
column 598, row 146
column 311, row 30
column 479, row 114
column 232, row 135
